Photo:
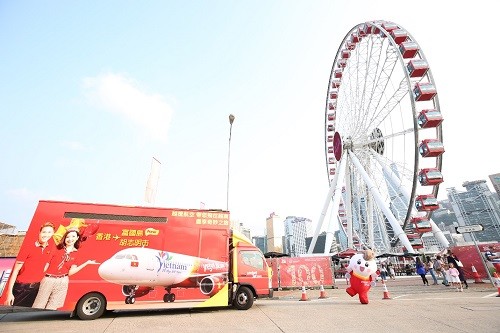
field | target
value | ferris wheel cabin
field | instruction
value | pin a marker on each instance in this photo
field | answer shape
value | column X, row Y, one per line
column 424, row 91
column 429, row 118
column 399, row 35
column 417, row 67
column 389, row 26
column 426, row 203
column 430, row 176
column 431, row 148
column 421, row 224
column 350, row 46
column 335, row 83
column 415, row 241
column 408, row 49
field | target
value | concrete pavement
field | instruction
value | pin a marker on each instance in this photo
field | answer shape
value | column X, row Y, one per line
column 411, row 308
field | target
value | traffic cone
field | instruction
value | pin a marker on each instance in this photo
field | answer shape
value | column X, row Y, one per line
column 475, row 274
column 304, row 294
column 322, row 292
column 386, row 292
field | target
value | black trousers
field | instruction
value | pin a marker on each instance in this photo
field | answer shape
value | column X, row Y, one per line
column 25, row 293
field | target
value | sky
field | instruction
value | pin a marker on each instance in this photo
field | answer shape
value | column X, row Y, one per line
column 91, row 91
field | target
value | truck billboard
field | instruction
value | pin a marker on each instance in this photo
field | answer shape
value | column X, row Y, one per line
column 86, row 258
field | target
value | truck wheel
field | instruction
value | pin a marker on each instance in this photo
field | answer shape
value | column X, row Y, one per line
column 91, row 306
column 244, row 299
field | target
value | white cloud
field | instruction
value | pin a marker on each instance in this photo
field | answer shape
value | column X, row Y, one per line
column 121, row 95
column 22, row 194
column 73, row 145
column 28, row 195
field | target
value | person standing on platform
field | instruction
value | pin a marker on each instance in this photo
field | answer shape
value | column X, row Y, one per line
column 429, row 265
column 438, row 268
column 454, row 277
column 453, row 259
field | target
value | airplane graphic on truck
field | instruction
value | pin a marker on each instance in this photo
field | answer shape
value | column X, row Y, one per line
column 139, row 270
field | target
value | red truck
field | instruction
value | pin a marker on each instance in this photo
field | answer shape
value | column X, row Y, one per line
column 87, row 258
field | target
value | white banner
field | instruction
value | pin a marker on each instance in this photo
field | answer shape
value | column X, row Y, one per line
column 152, row 184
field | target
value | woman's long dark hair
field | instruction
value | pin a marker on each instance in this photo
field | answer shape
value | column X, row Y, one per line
column 62, row 244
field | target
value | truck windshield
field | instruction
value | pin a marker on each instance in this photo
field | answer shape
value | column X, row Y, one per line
column 252, row 258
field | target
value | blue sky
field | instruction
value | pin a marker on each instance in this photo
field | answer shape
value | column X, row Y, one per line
column 91, row 91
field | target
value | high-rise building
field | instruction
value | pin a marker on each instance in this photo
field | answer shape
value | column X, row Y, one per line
column 319, row 247
column 495, row 181
column 260, row 242
column 477, row 205
column 238, row 226
column 275, row 233
column 296, row 231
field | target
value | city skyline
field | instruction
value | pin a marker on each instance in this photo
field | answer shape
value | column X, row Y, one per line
column 90, row 95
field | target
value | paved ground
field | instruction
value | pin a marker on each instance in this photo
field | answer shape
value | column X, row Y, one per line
column 412, row 307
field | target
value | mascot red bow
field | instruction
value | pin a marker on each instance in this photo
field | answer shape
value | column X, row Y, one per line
column 362, row 274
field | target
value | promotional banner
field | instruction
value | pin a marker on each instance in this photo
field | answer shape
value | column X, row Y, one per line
column 298, row 271
column 469, row 257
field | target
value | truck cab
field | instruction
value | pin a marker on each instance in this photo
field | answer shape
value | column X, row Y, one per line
column 251, row 275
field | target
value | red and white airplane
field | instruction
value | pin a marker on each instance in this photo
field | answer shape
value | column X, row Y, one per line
column 139, row 270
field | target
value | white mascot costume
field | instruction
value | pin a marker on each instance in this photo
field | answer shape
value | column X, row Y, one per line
column 362, row 274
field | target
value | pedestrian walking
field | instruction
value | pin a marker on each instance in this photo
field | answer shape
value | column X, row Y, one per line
column 383, row 272
column 392, row 273
column 438, row 268
column 429, row 265
column 421, row 271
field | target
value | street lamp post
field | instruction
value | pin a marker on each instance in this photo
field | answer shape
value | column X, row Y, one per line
column 231, row 120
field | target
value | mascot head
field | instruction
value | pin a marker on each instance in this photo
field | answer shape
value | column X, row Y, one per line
column 363, row 265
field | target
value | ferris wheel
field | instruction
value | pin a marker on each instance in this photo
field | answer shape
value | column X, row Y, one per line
column 383, row 142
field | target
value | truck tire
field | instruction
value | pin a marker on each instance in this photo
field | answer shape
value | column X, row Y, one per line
column 91, row 306
column 243, row 299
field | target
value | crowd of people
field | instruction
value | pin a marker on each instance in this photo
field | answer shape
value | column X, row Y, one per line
column 444, row 266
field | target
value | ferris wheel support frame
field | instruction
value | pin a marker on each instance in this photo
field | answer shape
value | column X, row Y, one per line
column 369, row 215
column 399, row 232
column 393, row 178
column 348, row 210
column 335, row 186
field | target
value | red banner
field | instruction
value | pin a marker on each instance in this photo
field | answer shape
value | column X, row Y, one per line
column 469, row 257
column 298, row 271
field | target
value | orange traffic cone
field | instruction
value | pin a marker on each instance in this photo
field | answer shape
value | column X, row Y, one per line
column 475, row 274
column 304, row 294
column 322, row 292
column 386, row 292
